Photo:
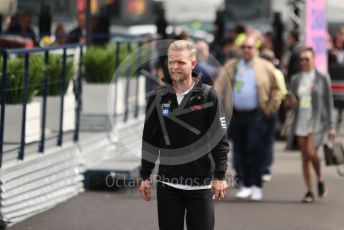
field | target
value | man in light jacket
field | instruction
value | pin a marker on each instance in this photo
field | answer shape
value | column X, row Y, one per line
column 249, row 84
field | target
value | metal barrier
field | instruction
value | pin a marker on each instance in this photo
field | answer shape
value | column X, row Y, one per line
column 122, row 163
column 128, row 42
column 26, row 53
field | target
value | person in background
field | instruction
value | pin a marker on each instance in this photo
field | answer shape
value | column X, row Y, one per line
column 335, row 61
column 338, row 49
column 331, row 51
column 78, row 34
column 313, row 125
column 206, row 71
column 255, row 97
column 23, row 27
column 228, row 50
column 60, row 35
column 267, row 41
column 240, row 35
column 161, row 24
column 9, row 21
column 291, row 56
column 271, row 122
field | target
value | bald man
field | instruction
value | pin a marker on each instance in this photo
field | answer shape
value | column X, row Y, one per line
column 255, row 97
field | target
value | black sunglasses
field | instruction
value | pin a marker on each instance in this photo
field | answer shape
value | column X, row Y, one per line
column 306, row 59
column 246, row 47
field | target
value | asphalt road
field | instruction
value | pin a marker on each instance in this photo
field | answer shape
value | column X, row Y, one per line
column 280, row 209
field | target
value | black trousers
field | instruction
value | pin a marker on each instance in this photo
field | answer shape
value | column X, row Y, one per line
column 248, row 132
column 174, row 203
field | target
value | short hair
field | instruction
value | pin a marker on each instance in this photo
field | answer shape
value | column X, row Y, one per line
column 295, row 34
column 202, row 49
column 307, row 49
column 228, row 40
column 24, row 14
column 240, row 29
column 183, row 45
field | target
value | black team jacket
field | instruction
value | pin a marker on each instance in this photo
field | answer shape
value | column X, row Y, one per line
column 189, row 140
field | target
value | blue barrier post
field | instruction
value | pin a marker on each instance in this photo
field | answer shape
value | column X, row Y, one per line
column 116, row 81
column 26, row 53
column 63, row 80
column 25, row 98
column 79, row 98
column 45, row 93
column 149, row 82
column 3, row 100
column 138, row 62
column 127, row 88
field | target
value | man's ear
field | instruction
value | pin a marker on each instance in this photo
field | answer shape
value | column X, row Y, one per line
column 193, row 63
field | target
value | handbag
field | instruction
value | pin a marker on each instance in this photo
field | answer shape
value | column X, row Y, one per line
column 334, row 155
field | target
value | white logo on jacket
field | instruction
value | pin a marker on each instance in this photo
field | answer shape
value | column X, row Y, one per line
column 223, row 122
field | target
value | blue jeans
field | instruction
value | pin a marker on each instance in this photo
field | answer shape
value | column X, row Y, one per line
column 248, row 131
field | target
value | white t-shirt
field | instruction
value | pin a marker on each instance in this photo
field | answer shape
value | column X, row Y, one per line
column 304, row 92
column 181, row 186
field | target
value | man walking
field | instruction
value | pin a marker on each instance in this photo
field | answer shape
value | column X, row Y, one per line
column 255, row 96
column 205, row 70
column 185, row 129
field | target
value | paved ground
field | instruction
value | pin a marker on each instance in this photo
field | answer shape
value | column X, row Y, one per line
column 280, row 210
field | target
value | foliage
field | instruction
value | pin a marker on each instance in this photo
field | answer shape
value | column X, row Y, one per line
column 16, row 77
column 100, row 62
column 55, row 68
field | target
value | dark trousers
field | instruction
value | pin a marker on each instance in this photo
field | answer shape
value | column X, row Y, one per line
column 247, row 131
column 236, row 160
column 268, row 146
column 174, row 203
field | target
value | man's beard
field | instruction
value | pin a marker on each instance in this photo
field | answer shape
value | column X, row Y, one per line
column 178, row 77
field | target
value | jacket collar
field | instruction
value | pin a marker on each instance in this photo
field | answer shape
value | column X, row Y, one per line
column 198, row 84
column 197, row 87
column 298, row 79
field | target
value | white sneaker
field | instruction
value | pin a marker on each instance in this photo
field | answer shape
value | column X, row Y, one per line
column 267, row 177
column 257, row 193
column 244, row 193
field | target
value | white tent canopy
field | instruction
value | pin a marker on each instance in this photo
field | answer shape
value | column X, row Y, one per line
column 180, row 11
column 335, row 11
